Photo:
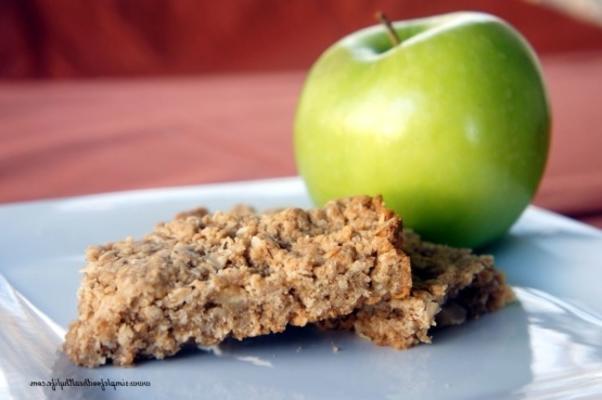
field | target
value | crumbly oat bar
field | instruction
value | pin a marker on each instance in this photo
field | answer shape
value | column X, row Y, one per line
column 205, row 277
column 450, row 285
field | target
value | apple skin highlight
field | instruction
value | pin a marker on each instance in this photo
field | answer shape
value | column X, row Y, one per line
column 451, row 126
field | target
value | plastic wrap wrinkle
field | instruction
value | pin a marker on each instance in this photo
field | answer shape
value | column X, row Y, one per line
column 29, row 341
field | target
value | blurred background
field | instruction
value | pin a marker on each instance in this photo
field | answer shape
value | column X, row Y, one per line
column 78, row 39
column 121, row 94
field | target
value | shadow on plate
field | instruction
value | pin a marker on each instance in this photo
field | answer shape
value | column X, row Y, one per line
column 308, row 363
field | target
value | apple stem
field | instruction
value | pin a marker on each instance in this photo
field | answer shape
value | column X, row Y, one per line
column 382, row 18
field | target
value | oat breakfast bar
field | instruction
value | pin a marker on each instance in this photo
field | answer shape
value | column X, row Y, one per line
column 203, row 277
column 450, row 285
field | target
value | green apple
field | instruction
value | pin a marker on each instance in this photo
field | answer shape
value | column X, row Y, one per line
column 451, row 125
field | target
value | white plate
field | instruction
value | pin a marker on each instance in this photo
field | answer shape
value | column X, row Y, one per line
column 549, row 345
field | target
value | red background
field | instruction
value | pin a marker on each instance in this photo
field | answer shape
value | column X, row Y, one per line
column 111, row 95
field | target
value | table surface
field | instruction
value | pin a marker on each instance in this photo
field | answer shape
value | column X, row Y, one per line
column 62, row 138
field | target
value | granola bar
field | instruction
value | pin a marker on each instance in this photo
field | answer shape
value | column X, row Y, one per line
column 450, row 285
column 204, row 277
